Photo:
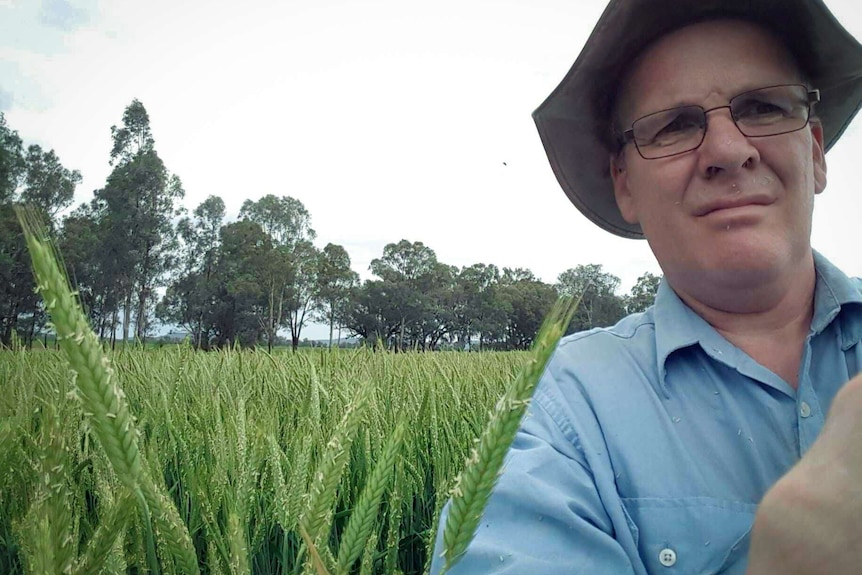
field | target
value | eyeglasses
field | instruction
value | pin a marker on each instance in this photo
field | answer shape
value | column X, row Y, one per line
column 757, row 113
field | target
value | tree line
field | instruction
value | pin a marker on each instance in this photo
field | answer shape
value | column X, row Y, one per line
column 138, row 258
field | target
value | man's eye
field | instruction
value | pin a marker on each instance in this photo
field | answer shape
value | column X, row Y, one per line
column 760, row 109
column 678, row 124
column 667, row 128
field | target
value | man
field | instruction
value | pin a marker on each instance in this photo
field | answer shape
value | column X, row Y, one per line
column 694, row 438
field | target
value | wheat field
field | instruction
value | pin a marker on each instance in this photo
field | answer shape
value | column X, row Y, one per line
column 234, row 439
column 238, row 462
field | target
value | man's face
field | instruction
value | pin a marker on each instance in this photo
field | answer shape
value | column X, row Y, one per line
column 736, row 210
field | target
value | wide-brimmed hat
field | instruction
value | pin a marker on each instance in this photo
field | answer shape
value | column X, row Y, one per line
column 574, row 122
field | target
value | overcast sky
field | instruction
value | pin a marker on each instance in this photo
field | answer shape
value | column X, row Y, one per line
column 388, row 119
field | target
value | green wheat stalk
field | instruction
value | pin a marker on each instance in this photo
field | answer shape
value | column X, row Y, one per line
column 328, row 475
column 47, row 536
column 362, row 519
column 104, row 539
column 95, row 384
column 101, row 397
column 474, row 484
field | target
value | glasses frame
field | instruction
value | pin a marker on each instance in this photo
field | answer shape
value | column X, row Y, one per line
column 813, row 95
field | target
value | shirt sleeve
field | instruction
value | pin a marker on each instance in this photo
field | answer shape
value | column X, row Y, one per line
column 545, row 515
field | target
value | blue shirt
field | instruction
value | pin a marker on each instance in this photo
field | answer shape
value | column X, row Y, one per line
column 648, row 445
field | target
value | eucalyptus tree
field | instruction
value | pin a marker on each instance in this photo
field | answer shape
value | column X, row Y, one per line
column 87, row 261
column 408, row 272
column 304, row 264
column 290, row 276
column 17, row 289
column 372, row 313
column 643, row 293
column 526, row 300
column 140, row 201
column 15, row 277
column 335, row 280
column 600, row 305
column 39, row 179
column 48, row 186
column 286, row 220
column 479, row 311
column 11, row 160
column 438, row 317
column 234, row 314
column 192, row 289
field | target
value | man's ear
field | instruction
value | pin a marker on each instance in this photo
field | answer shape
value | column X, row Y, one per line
column 818, row 153
column 622, row 193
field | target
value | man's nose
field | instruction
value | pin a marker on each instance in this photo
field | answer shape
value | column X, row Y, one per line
column 725, row 148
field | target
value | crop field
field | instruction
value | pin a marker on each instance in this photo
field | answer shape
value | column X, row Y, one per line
column 238, row 462
column 245, row 451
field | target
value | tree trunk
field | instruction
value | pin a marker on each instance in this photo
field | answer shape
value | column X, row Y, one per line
column 331, row 329
column 115, row 318
column 141, row 320
column 32, row 332
column 197, row 338
column 127, row 315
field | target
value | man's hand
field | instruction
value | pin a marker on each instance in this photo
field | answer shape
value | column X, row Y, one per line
column 810, row 522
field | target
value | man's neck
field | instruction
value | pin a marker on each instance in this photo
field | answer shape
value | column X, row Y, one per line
column 768, row 321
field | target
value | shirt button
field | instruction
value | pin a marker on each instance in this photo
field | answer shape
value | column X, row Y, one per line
column 804, row 409
column 667, row 557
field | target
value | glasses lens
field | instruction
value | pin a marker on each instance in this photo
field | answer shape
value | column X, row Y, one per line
column 669, row 132
column 771, row 111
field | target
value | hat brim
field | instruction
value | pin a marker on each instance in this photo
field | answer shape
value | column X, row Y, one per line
column 573, row 122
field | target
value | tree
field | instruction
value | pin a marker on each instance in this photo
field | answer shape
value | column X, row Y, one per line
column 407, row 270
column 335, row 281
column 527, row 303
column 139, row 200
column 192, row 291
column 12, row 163
column 642, row 293
column 81, row 242
column 371, row 314
column 134, row 136
column 239, row 299
column 304, row 263
column 437, row 317
column 291, row 271
column 47, row 184
column 17, row 288
column 284, row 219
column 600, row 306
column 478, row 308
column 40, row 180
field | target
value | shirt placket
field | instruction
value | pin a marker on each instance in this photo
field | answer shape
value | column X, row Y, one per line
column 809, row 414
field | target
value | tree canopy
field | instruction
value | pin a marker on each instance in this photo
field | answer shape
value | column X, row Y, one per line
column 138, row 258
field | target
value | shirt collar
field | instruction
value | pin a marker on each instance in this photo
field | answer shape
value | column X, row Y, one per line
column 677, row 326
column 834, row 291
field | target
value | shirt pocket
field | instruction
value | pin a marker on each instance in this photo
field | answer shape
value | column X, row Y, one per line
column 692, row 535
